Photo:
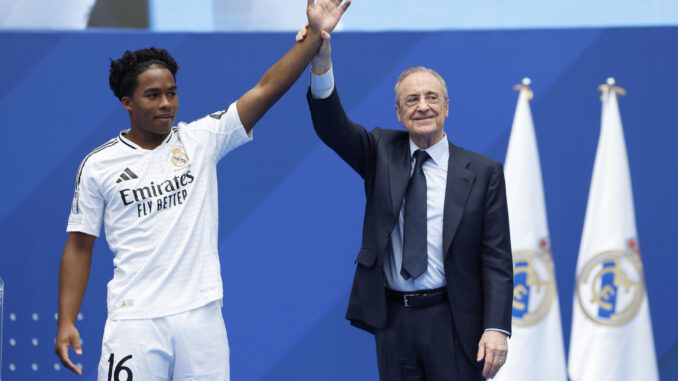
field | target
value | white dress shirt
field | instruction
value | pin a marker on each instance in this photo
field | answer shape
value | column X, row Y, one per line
column 435, row 170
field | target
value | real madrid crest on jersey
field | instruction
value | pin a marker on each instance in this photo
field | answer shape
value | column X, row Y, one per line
column 178, row 157
column 610, row 286
column 533, row 284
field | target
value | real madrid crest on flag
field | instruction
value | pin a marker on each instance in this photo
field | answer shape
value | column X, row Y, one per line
column 611, row 336
column 610, row 287
column 533, row 284
column 536, row 350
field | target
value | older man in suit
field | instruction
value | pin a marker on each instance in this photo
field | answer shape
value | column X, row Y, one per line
column 434, row 275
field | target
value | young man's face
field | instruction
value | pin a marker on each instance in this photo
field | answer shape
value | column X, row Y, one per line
column 154, row 102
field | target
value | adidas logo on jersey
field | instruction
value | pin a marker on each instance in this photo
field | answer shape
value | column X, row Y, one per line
column 126, row 175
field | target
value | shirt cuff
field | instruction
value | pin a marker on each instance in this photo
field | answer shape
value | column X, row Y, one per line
column 499, row 330
column 322, row 85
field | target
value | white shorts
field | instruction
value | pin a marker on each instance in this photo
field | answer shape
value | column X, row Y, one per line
column 191, row 345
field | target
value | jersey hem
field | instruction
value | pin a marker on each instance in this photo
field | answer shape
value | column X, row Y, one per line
column 155, row 314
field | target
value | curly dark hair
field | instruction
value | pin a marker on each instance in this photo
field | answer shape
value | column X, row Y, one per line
column 124, row 71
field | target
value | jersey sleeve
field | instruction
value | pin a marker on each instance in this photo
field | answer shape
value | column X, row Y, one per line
column 220, row 132
column 87, row 208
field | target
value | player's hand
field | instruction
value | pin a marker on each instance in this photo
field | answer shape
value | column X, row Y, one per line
column 324, row 15
column 493, row 348
column 68, row 336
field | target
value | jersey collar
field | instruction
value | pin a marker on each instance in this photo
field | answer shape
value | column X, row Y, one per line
column 123, row 139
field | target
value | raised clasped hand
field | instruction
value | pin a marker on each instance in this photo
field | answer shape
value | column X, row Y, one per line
column 324, row 15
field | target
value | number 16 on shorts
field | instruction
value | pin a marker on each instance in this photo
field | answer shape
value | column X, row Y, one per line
column 115, row 369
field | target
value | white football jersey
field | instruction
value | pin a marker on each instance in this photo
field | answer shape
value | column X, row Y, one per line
column 160, row 214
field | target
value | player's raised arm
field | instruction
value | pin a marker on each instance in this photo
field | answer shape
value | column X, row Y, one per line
column 73, row 276
column 323, row 15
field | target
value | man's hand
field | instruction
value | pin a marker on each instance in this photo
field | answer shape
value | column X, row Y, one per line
column 492, row 348
column 68, row 336
column 323, row 15
column 322, row 61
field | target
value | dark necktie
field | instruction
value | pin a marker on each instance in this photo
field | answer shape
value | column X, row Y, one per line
column 415, row 254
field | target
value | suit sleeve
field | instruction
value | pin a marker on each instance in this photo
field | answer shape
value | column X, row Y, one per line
column 496, row 257
column 349, row 140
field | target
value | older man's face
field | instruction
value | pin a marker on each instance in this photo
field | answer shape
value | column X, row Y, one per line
column 422, row 107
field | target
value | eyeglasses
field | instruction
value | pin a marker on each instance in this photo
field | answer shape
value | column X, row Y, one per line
column 429, row 98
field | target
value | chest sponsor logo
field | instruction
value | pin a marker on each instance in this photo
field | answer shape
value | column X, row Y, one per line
column 155, row 197
column 610, row 287
column 534, row 285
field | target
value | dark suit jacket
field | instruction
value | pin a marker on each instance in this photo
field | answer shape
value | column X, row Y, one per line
column 476, row 244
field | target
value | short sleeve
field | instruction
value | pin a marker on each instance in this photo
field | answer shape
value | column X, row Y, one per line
column 221, row 131
column 87, row 208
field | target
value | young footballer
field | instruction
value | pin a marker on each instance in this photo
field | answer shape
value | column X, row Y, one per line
column 154, row 188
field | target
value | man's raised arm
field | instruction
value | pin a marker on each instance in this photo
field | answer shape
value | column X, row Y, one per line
column 323, row 16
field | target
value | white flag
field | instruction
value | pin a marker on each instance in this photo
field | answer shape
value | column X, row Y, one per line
column 536, row 350
column 611, row 329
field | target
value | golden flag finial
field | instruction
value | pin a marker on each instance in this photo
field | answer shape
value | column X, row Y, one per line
column 525, row 85
column 610, row 86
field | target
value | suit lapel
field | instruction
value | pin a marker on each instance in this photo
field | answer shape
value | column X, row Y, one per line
column 459, row 184
column 399, row 172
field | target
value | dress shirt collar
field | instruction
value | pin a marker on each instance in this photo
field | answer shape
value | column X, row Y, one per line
column 438, row 152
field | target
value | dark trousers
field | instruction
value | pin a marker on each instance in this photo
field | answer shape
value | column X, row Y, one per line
column 419, row 344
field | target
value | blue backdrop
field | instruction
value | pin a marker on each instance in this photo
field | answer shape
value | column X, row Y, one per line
column 290, row 210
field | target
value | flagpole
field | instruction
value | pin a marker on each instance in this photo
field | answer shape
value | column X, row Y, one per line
column 609, row 85
column 611, row 337
column 525, row 86
column 536, row 350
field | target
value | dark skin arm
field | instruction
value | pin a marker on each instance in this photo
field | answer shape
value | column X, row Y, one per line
column 323, row 16
column 73, row 275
